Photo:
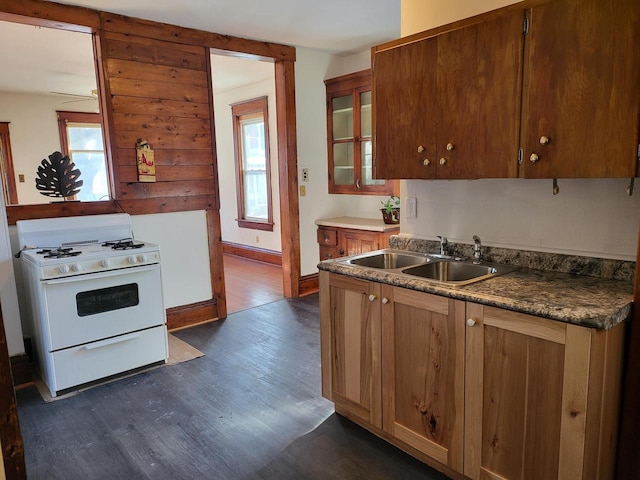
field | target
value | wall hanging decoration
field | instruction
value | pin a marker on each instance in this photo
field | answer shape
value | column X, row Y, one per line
column 145, row 161
column 58, row 177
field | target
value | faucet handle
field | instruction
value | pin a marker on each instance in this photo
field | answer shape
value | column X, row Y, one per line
column 444, row 245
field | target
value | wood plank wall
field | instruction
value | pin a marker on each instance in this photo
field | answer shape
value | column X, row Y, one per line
column 158, row 91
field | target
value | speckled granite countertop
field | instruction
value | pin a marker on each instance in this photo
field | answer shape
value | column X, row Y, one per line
column 580, row 299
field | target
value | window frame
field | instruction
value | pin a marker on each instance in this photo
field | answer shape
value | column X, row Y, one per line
column 6, row 166
column 239, row 111
column 65, row 117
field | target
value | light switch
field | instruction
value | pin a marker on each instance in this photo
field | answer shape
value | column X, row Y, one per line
column 303, row 190
column 21, row 177
column 412, row 207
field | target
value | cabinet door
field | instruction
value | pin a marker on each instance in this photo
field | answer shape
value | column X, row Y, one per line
column 350, row 326
column 354, row 242
column 423, row 372
column 525, row 396
column 405, row 110
column 479, row 97
column 583, row 72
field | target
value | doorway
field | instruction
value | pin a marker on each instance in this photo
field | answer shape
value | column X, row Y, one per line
column 244, row 94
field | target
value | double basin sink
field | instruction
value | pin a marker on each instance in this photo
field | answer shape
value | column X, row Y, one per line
column 435, row 268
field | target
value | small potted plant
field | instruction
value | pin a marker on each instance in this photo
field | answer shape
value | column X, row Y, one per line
column 391, row 210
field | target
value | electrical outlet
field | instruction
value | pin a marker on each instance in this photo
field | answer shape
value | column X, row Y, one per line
column 305, row 174
column 412, row 207
column 257, row 239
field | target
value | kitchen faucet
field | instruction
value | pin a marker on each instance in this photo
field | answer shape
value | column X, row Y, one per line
column 477, row 252
column 444, row 246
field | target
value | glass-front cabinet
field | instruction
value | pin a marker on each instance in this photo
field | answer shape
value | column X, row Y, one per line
column 349, row 136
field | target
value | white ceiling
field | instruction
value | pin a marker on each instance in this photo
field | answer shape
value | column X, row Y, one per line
column 43, row 60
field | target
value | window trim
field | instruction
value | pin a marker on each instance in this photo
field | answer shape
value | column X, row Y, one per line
column 6, row 169
column 238, row 111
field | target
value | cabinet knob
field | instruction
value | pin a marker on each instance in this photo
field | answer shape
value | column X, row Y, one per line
column 544, row 140
column 342, row 251
column 449, row 147
column 534, row 158
column 385, row 300
column 325, row 237
column 426, row 162
column 372, row 297
column 443, row 161
column 471, row 322
column 329, row 255
column 420, row 149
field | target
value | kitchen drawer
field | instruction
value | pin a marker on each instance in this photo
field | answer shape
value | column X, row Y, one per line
column 93, row 361
column 327, row 253
column 327, row 237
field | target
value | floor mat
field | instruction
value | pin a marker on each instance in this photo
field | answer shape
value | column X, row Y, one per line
column 179, row 351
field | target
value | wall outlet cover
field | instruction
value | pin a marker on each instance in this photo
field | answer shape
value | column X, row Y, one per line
column 412, row 207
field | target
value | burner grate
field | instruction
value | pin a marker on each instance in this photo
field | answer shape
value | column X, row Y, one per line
column 59, row 252
column 123, row 245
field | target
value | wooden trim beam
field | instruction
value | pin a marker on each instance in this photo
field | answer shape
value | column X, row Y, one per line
column 50, row 14
column 253, row 253
column 308, row 284
column 192, row 314
column 288, row 179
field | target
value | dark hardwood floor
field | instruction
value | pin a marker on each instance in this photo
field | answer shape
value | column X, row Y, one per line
column 249, row 409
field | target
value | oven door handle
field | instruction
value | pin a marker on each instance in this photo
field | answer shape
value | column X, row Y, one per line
column 112, row 341
column 109, row 273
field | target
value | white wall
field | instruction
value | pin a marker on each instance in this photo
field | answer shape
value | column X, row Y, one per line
column 312, row 68
column 226, row 164
column 34, row 135
column 588, row 217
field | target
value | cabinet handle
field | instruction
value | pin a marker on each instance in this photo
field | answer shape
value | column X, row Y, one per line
column 449, row 147
column 534, row 158
column 385, row 300
column 372, row 297
column 544, row 140
column 443, row 161
column 420, row 149
column 426, row 162
column 471, row 322
column 358, row 183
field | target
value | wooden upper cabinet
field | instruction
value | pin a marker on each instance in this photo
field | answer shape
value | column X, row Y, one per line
column 349, row 132
column 583, row 75
column 404, row 110
column 448, row 106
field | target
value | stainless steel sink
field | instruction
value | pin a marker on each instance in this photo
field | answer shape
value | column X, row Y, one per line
column 389, row 260
column 457, row 272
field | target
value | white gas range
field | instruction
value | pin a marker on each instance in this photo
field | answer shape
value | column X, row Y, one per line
column 94, row 296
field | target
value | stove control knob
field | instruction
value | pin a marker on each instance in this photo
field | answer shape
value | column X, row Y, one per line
column 142, row 258
column 63, row 268
column 132, row 259
column 105, row 263
column 76, row 267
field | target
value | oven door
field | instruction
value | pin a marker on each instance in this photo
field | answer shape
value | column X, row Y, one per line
column 96, row 306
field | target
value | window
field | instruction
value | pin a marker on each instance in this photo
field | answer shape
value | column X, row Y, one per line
column 81, row 140
column 253, row 171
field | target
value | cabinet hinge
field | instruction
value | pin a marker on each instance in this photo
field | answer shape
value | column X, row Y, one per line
column 520, row 156
column 525, row 27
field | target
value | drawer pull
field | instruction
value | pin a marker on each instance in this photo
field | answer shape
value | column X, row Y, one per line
column 372, row 297
column 471, row 322
column 111, row 341
column 385, row 300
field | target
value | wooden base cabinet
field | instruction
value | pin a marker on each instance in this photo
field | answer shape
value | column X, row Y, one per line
column 350, row 331
column 423, row 372
column 476, row 391
column 541, row 397
column 335, row 242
